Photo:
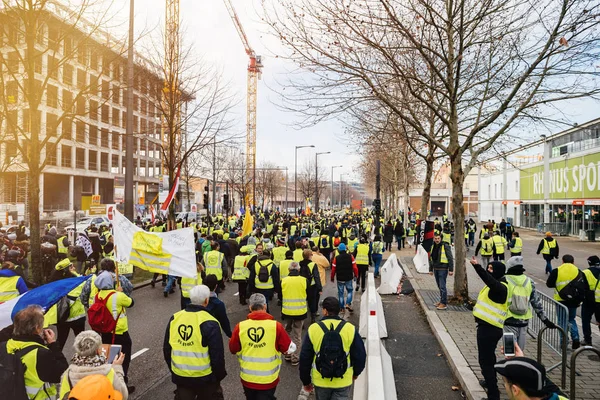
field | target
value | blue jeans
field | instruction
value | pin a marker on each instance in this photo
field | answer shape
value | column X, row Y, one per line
column 400, row 241
column 572, row 323
column 440, row 278
column 170, row 282
column 548, row 265
column 332, row 394
column 471, row 238
column 377, row 261
column 341, row 286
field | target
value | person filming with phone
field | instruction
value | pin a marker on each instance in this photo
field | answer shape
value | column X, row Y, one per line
column 90, row 358
column 490, row 313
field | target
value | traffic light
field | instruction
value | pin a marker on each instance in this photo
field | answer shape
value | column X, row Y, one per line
column 205, row 202
column 226, row 202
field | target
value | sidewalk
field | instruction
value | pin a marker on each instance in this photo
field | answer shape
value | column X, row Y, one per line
column 455, row 329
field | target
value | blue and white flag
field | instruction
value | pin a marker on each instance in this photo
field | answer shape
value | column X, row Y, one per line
column 44, row 296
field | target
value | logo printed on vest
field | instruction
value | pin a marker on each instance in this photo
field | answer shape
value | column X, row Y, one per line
column 256, row 334
column 185, row 331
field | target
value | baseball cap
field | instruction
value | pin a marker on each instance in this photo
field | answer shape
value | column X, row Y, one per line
column 342, row 247
column 593, row 260
column 548, row 233
column 94, row 387
column 524, row 372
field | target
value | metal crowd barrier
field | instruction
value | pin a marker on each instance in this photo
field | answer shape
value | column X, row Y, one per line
column 559, row 314
column 540, row 338
column 576, row 354
column 557, row 228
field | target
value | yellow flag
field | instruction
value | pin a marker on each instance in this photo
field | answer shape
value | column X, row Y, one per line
column 147, row 242
column 248, row 223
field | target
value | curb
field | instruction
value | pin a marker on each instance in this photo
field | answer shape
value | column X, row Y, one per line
column 465, row 375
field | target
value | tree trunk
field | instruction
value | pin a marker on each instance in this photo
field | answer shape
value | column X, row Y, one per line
column 426, row 195
column 34, row 222
column 461, row 286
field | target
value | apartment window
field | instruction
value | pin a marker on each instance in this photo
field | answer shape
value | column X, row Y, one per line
column 67, row 128
column 65, row 158
column 115, row 116
column 114, row 167
column 105, row 113
column 12, row 92
column 81, row 106
column 93, row 134
column 27, row 123
column 67, row 100
column 136, row 101
column 93, row 160
column 80, row 158
column 80, row 131
column 82, row 53
column 81, row 79
column 104, row 137
column 116, row 140
column 51, row 154
column 51, row 124
column 13, row 62
column 143, row 126
column 123, row 119
column 68, row 46
column 10, row 151
column 116, row 95
column 52, row 67
column 151, row 127
column 104, row 162
column 93, row 110
column 53, row 39
column 67, row 74
column 144, row 107
column 116, row 70
column 52, row 96
column 94, row 60
column 136, row 125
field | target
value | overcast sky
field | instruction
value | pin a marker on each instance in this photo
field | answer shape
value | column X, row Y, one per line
column 211, row 32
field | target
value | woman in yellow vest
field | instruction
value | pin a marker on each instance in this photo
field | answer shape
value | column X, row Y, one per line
column 91, row 359
column 490, row 312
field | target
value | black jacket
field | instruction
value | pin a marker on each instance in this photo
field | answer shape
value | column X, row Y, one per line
column 343, row 267
column 498, row 291
column 211, row 338
column 51, row 363
column 399, row 229
column 554, row 252
column 305, row 272
column 358, row 355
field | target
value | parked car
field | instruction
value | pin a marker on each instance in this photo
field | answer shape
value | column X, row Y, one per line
column 85, row 223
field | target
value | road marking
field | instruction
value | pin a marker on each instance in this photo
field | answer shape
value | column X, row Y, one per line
column 139, row 353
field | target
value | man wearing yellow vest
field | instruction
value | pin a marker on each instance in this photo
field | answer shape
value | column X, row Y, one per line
column 38, row 351
column 193, row 350
column 559, row 279
column 11, row 284
column 490, row 313
column 241, row 273
column 309, row 270
column 441, row 264
column 516, row 245
column 591, row 306
column 298, row 251
column 500, row 245
column 279, row 251
column 548, row 247
column 284, row 265
column 323, row 366
column 264, row 276
column 214, row 262
column 188, row 283
column 486, row 246
column 294, row 307
column 259, row 342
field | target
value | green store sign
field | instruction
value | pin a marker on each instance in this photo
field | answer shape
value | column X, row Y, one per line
column 573, row 178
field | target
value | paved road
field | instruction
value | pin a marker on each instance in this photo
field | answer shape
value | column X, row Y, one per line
column 420, row 373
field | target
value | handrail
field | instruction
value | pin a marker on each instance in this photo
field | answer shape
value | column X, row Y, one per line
column 574, row 356
column 563, row 373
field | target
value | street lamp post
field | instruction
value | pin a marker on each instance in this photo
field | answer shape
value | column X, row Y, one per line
column 129, row 122
column 332, row 195
column 341, row 183
column 296, row 173
column 317, row 179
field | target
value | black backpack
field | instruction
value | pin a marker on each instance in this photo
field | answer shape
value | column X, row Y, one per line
column 12, row 373
column 331, row 360
column 263, row 273
column 575, row 292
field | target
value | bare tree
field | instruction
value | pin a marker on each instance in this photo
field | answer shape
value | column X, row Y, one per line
column 485, row 69
column 307, row 183
column 269, row 180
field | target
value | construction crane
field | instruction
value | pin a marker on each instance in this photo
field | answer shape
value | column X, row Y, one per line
column 254, row 74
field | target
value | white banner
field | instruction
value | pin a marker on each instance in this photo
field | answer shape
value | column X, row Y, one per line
column 178, row 244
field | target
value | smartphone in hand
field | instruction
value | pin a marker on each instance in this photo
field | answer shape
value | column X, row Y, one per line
column 508, row 340
column 115, row 350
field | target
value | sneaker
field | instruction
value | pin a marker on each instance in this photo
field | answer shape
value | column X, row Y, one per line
column 442, row 307
column 437, row 304
column 576, row 344
column 166, row 294
column 171, row 291
column 349, row 309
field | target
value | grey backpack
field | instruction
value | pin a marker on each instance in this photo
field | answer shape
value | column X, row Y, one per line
column 518, row 304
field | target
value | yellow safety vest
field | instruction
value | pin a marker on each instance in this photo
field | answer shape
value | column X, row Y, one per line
column 298, row 255
column 327, row 240
column 352, row 245
column 117, row 312
column 443, row 257
column 593, row 282
column 240, row 271
column 362, row 254
column 279, row 254
column 189, row 358
column 259, row 359
column 293, row 290
column 566, row 273
column 179, row 225
column 548, row 246
column 76, row 308
column 315, row 335
column 36, row 388
column 447, row 238
column 188, row 283
column 65, row 387
column 411, row 232
column 499, row 243
column 284, row 268
column 263, row 285
column 522, row 281
column 486, row 310
column 487, row 247
column 518, row 247
column 8, row 288
column 212, row 263
column 62, row 249
column 293, row 230
column 377, row 248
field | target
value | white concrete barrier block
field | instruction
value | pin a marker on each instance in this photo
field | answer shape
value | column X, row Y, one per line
column 421, row 260
column 381, row 318
column 389, row 384
column 391, row 275
column 363, row 317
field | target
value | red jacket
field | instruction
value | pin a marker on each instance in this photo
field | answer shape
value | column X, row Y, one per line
column 282, row 343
